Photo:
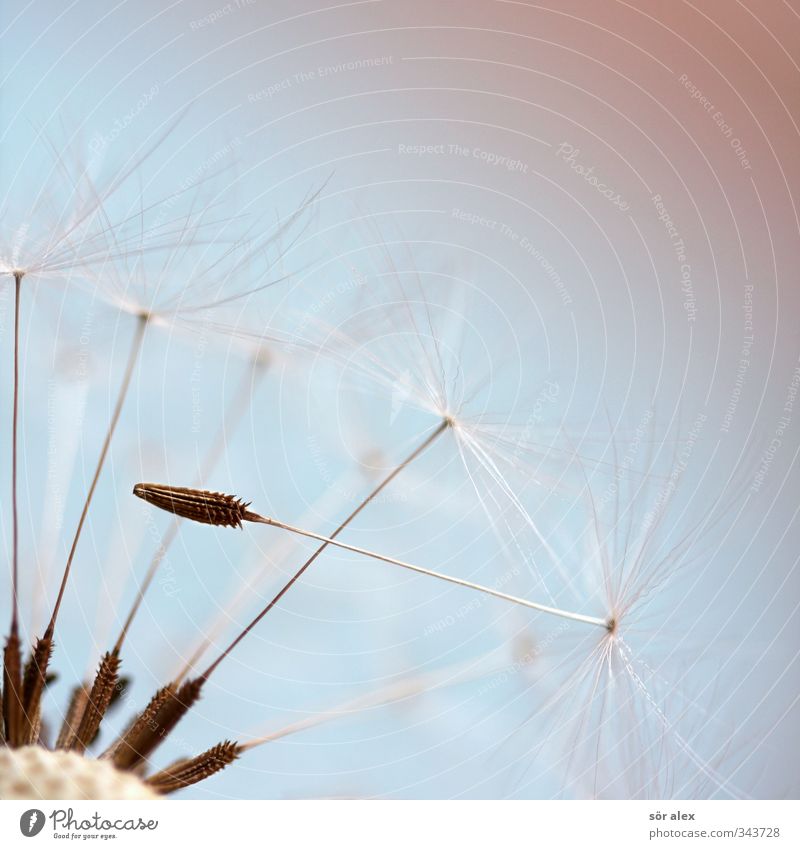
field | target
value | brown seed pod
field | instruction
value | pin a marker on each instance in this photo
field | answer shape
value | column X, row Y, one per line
column 189, row 771
column 199, row 505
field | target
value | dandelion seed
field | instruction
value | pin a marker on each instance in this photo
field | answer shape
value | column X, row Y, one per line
column 622, row 725
column 215, row 508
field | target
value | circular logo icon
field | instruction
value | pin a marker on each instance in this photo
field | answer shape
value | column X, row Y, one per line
column 31, row 822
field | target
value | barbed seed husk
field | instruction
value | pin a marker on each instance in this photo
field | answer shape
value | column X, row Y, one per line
column 188, row 771
column 199, row 505
column 97, row 703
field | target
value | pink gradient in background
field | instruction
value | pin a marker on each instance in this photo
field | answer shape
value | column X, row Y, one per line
column 606, row 181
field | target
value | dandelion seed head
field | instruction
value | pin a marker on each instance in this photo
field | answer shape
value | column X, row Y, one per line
column 33, row 772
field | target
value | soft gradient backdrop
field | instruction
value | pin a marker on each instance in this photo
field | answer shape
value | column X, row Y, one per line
column 607, row 191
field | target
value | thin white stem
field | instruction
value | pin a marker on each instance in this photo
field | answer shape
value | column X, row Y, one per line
column 235, row 412
column 426, row 443
column 243, row 589
column 15, row 416
column 133, row 357
column 397, row 691
column 461, row 582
